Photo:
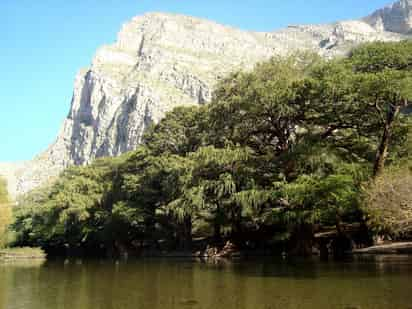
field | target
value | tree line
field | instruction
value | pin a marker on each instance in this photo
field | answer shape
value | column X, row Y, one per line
column 297, row 145
column 5, row 213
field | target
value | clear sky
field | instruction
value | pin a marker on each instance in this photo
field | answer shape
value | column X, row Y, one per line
column 44, row 43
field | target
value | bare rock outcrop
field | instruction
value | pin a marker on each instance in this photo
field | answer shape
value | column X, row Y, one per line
column 396, row 17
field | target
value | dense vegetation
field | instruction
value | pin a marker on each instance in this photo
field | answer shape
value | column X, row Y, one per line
column 281, row 153
column 389, row 202
column 5, row 213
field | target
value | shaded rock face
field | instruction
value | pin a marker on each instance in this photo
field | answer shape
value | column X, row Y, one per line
column 161, row 61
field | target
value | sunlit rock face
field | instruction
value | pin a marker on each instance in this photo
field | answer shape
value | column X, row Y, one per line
column 395, row 18
column 161, row 61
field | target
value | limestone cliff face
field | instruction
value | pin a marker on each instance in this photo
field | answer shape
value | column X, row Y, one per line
column 395, row 18
column 160, row 61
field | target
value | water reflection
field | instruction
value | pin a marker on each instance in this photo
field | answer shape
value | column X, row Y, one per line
column 364, row 282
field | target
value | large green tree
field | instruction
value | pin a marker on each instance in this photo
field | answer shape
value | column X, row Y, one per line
column 281, row 151
column 179, row 133
column 358, row 101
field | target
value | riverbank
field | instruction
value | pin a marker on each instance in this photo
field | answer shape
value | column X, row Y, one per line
column 22, row 253
column 390, row 248
column 228, row 250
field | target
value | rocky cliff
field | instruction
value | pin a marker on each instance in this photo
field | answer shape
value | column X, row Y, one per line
column 396, row 17
column 160, row 61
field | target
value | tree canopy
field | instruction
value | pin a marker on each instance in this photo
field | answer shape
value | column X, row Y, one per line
column 281, row 152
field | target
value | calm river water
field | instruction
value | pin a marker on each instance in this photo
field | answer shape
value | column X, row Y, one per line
column 364, row 283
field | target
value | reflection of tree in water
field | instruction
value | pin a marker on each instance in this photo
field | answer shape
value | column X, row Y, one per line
column 173, row 283
column 14, row 276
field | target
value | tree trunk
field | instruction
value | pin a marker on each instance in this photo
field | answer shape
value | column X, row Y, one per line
column 187, row 237
column 236, row 233
column 382, row 152
column 342, row 243
column 217, row 237
column 323, row 249
column 302, row 240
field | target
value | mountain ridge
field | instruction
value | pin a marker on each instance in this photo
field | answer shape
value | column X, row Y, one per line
column 160, row 61
column 395, row 17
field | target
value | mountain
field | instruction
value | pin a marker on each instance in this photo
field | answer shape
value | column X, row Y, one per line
column 396, row 17
column 160, row 61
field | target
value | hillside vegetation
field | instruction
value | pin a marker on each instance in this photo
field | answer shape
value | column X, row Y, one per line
column 5, row 212
column 297, row 146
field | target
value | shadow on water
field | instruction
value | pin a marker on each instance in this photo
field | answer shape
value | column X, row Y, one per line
column 313, row 268
column 367, row 282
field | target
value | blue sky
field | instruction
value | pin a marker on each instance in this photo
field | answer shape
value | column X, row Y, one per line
column 44, row 43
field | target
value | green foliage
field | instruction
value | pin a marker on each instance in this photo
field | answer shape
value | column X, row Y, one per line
column 376, row 57
column 75, row 209
column 260, row 109
column 5, row 213
column 321, row 200
column 280, row 150
column 179, row 133
column 358, row 100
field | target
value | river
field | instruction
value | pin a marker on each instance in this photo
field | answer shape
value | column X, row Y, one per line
column 382, row 282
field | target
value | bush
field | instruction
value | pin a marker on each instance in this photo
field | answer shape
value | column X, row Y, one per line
column 389, row 203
